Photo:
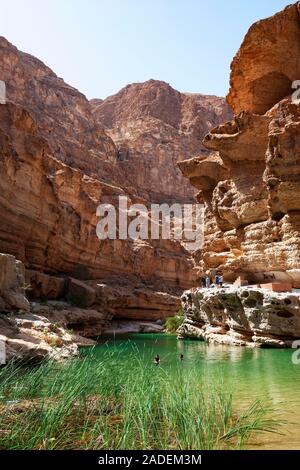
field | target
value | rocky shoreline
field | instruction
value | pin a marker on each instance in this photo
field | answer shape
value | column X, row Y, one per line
column 47, row 316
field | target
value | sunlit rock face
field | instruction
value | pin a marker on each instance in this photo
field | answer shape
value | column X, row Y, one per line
column 154, row 127
column 61, row 113
column 58, row 164
column 241, row 316
column 267, row 63
column 251, row 184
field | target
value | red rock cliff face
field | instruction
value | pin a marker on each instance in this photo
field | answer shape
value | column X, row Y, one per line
column 251, row 186
column 266, row 63
column 58, row 164
column 154, row 127
column 61, row 113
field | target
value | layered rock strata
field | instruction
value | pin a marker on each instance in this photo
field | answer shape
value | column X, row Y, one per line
column 46, row 316
column 153, row 127
column 25, row 334
column 57, row 165
column 48, row 214
column 251, row 185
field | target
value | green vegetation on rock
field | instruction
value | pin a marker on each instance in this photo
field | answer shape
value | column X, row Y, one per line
column 173, row 323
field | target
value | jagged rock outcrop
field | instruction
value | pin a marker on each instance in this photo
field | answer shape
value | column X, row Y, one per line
column 251, row 185
column 245, row 316
column 12, row 284
column 154, row 127
column 68, row 312
column 24, row 334
column 61, row 313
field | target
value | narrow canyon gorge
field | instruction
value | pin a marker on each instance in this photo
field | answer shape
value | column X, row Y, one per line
column 63, row 155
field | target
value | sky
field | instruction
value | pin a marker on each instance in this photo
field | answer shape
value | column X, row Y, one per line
column 100, row 46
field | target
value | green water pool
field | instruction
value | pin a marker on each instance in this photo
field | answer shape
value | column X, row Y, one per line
column 266, row 374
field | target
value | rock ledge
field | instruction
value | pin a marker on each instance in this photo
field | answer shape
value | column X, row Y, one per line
column 244, row 316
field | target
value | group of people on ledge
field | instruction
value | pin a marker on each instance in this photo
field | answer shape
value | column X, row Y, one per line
column 208, row 281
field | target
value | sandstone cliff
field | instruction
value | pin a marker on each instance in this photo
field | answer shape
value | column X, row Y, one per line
column 58, row 163
column 154, row 127
column 251, row 184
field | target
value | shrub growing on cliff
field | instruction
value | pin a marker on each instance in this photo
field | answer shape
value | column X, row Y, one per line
column 173, row 323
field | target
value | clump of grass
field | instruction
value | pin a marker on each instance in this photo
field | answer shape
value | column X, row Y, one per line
column 101, row 403
column 173, row 323
column 54, row 341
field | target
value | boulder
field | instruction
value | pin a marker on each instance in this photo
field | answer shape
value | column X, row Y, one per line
column 44, row 286
column 31, row 338
column 11, row 273
column 80, row 294
column 15, row 300
column 12, row 284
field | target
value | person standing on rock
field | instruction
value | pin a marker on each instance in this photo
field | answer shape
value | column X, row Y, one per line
column 203, row 282
column 207, row 282
column 219, row 280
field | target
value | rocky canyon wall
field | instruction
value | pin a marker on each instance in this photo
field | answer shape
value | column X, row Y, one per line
column 251, row 184
column 57, row 166
column 154, row 127
column 58, row 163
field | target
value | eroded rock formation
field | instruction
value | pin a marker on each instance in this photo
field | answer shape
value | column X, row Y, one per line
column 49, row 316
column 267, row 63
column 243, row 316
column 251, row 185
column 57, row 166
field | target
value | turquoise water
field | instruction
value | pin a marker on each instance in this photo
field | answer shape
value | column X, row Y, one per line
column 266, row 374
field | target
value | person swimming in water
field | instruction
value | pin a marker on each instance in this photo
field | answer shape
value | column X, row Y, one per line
column 181, row 357
column 157, row 359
